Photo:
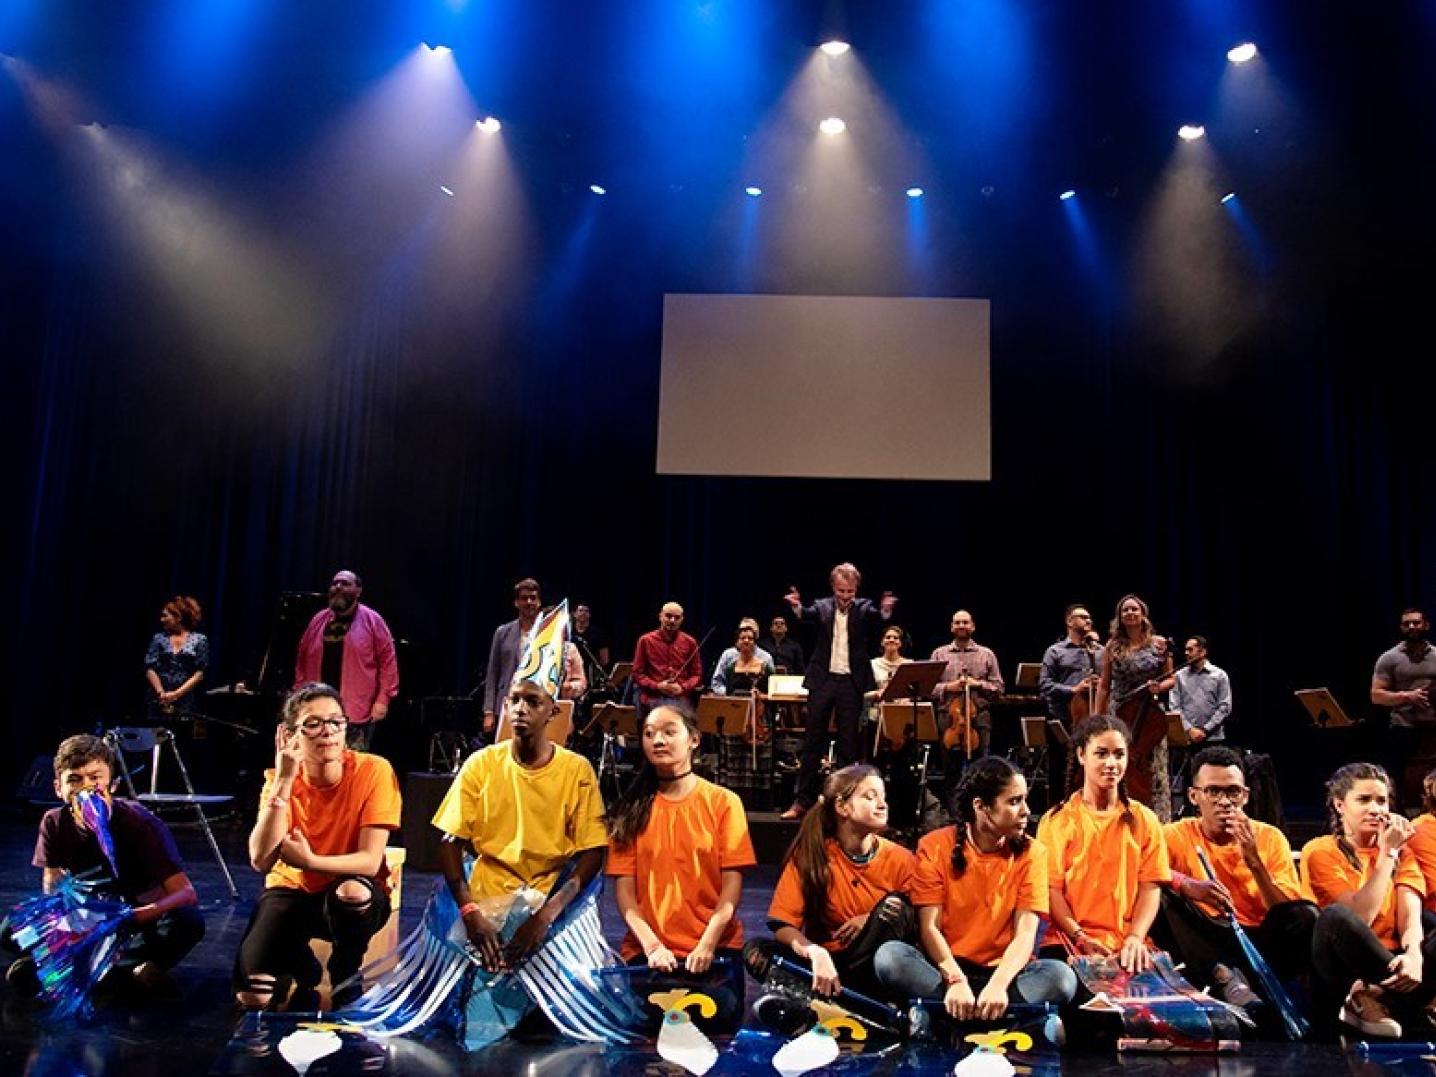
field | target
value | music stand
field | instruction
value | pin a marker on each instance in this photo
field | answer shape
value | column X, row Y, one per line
column 1058, row 732
column 914, row 682
column 614, row 720
column 1029, row 674
column 1325, row 711
column 896, row 719
column 717, row 714
column 619, row 674
column 1034, row 750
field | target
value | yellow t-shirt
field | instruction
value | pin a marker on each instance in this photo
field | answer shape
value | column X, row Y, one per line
column 525, row 824
column 1185, row 837
column 1099, row 861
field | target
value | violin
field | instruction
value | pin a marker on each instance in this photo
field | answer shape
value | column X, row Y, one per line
column 962, row 722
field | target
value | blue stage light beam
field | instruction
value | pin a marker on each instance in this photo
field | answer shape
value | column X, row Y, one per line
column 205, row 51
column 1257, row 248
column 1085, row 244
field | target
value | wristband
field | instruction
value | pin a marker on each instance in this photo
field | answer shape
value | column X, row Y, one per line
column 468, row 907
column 952, row 979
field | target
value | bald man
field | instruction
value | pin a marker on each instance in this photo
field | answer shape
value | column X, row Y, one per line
column 666, row 663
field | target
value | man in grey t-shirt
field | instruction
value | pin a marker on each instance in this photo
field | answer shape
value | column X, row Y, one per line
column 1402, row 681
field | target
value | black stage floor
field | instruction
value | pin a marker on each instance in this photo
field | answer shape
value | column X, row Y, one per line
column 190, row 1036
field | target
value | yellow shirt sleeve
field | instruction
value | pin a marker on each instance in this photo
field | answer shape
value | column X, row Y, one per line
column 586, row 819
column 458, row 813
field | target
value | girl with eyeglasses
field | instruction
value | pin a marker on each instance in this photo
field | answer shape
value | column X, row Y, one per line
column 324, row 819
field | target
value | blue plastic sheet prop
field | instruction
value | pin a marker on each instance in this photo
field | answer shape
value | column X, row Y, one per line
column 648, row 994
column 73, row 936
column 1160, row 1011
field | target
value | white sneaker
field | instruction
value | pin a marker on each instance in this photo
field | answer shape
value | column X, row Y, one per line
column 1363, row 1009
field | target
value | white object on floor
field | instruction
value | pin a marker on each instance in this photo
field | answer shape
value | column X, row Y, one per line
column 684, row 1044
column 304, row 1048
column 814, row 1048
column 984, row 1063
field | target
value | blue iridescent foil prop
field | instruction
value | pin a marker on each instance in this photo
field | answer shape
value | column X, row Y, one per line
column 73, row 937
column 91, row 809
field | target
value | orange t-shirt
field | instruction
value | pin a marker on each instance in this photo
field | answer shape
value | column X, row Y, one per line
column 1185, row 837
column 677, row 864
column 1423, row 848
column 1099, row 861
column 1326, row 874
column 979, row 905
column 330, row 818
column 853, row 889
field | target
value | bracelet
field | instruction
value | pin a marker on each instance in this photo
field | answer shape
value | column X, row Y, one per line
column 468, row 907
column 277, row 801
column 952, row 979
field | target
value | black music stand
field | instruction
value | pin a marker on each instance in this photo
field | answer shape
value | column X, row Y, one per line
column 719, row 716
column 614, row 720
column 914, row 682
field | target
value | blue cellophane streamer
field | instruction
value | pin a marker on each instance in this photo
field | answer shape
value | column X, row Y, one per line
column 91, row 809
column 73, row 936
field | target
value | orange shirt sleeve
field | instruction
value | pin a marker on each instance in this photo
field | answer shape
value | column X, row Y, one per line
column 1154, row 866
column 787, row 904
column 1033, row 892
column 735, row 845
column 1408, row 873
column 622, row 861
column 1275, row 853
column 897, row 877
column 382, row 805
column 1324, row 874
column 930, row 876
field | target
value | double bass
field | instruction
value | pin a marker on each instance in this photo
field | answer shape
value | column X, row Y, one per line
column 1147, row 720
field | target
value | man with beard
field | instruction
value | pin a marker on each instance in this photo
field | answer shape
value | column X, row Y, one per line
column 1402, row 681
column 1073, row 664
column 508, row 643
column 1255, row 879
column 972, row 679
column 348, row 644
column 666, row 663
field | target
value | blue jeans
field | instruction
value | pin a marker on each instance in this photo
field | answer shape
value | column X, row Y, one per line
column 903, row 971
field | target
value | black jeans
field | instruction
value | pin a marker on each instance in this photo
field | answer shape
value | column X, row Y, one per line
column 1345, row 949
column 838, row 695
column 276, row 942
column 1283, row 938
column 891, row 920
column 163, row 942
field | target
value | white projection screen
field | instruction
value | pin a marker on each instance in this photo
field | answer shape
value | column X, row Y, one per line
column 856, row 387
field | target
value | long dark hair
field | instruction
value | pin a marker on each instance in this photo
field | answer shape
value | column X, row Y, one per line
column 1086, row 729
column 984, row 780
column 628, row 817
column 1117, row 637
column 807, row 851
column 1337, row 786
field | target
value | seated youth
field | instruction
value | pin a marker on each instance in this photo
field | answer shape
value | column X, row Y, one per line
column 1255, row 879
column 843, row 891
column 325, row 815
column 1369, row 947
column 165, row 922
column 981, row 891
column 678, row 845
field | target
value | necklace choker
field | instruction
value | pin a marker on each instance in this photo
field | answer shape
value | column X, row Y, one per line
column 675, row 777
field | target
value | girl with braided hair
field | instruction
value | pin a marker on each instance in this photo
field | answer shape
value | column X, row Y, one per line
column 1106, row 858
column 844, row 888
column 981, row 890
column 1368, row 944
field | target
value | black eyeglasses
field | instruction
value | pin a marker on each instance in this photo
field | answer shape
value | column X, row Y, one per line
column 1224, row 792
column 313, row 727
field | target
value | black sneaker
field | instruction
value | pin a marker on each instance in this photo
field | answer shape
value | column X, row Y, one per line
column 23, row 979
column 1233, row 987
column 789, row 1016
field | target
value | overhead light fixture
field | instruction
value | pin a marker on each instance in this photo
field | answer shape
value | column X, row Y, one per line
column 914, row 192
column 1229, row 196
column 1190, row 132
column 596, row 189
column 1240, row 54
column 752, row 192
column 835, row 47
column 1067, row 195
column 446, row 190
column 489, row 125
column 438, row 50
column 832, row 126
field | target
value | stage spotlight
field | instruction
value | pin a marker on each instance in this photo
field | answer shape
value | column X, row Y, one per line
column 438, row 50
column 914, row 192
column 832, row 126
column 1228, row 197
column 835, row 47
column 1240, row 54
column 1067, row 195
column 1190, row 132
column 752, row 192
column 489, row 125
column 446, row 190
column 596, row 189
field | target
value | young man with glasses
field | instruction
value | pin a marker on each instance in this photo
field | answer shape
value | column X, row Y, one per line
column 324, row 819
column 1255, row 878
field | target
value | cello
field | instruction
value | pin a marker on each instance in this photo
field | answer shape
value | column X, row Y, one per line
column 1148, row 723
column 1084, row 704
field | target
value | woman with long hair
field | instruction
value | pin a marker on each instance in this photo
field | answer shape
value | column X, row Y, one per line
column 176, row 659
column 844, row 888
column 1106, row 859
column 678, row 845
column 1368, row 947
column 981, row 890
column 1137, row 669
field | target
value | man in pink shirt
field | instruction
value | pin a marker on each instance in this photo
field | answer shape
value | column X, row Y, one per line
column 348, row 645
